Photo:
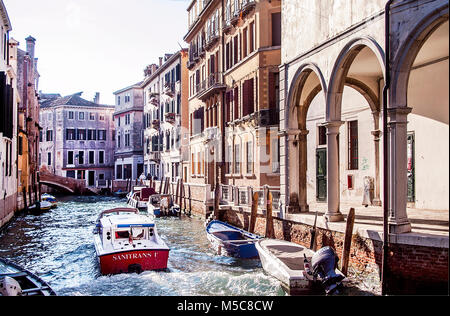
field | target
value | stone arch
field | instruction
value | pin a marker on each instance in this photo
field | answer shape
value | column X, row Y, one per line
column 408, row 51
column 307, row 83
column 344, row 75
column 341, row 68
column 422, row 124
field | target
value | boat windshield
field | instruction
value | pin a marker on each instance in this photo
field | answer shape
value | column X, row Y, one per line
column 124, row 234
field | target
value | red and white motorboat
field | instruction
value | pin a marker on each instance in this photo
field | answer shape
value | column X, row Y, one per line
column 128, row 242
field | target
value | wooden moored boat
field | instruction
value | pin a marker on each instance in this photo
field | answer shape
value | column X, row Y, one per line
column 162, row 205
column 50, row 198
column 286, row 261
column 139, row 197
column 127, row 241
column 42, row 207
column 17, row 281
column 231, row 241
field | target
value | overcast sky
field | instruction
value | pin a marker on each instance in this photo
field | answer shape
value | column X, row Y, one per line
column 97, row 45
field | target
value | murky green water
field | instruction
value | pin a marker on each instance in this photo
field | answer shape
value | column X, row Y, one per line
column 58, row 246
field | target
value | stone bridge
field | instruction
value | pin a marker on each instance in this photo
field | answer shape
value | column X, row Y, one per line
column 68, row 185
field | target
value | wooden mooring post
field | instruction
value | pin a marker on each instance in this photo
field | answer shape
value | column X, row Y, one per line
column 190, row 200
column 216, row 201
column 269, row 219
column 348, row 241
column 254, row 213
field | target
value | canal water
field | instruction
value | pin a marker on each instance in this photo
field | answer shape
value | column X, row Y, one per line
column 58, row 246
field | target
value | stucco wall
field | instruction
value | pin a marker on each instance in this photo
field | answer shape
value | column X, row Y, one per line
column 313, row 22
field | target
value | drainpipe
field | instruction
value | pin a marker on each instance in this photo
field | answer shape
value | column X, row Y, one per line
column 385, row 267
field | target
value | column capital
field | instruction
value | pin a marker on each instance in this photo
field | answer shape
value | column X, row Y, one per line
column 377, row 134
column 398, row 114
column 333, row 126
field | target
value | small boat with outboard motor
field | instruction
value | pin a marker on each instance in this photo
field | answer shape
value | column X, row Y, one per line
column 300, row 270
column 40, row 207
column 162, row 205
column 17, row 281
column 50, row 198
column 128, row 242
column 231, row 241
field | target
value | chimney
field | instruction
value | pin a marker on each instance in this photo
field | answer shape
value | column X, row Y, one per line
column 160, row 61
column 97, row 98
column 30, row 46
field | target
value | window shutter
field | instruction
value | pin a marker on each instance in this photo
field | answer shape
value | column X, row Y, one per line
column 236, row 103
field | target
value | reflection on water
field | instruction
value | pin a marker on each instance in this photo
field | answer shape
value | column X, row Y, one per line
column 58, row 246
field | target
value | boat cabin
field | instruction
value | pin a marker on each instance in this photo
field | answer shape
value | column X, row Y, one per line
column 126, row 228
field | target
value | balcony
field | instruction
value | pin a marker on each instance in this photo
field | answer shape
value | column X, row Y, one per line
column 170, row 118
column 155, row 124
column 169, row 89
column 154, row 156
column 212, row 133
column 268, row 117
column 154, row 101
column 212, row 39
column 213, row 84
column 227, row 26
column 247, row 6
column 190, row 64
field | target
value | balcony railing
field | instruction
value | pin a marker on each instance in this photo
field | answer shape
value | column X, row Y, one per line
column 169, row 88
column 213, row 83
column 154, row 156
column 170, row 117
column 247, row 6
column 155, row 124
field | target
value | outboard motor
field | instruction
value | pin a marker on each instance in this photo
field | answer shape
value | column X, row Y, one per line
column 9, row 287
column 324, row 264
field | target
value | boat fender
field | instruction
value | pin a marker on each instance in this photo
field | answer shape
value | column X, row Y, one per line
column 10, row 287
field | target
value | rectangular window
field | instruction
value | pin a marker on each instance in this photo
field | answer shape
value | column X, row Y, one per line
column 92, row 134
column 20, row 140
column 236, row 103
column 276, row 29
column 71, row 116
column 49, row 135
column 353, row 145
column 236, row 50
column 276, row 155
column 49, row 159
column 80, row 174
column 237, row 159
column 70, row 174
column 248, row 102
column 70, row 134
column 229, row 159
column 322, row 130
column 81, row 116
column 252, row 37
column 81, row 157
column 102, row 134
column 81, row 134
column 101, row 157
column 119, row 172
column 70, row 157
column 249, row 157
column 244, row 43
column 92, row 116
column 91, row 157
